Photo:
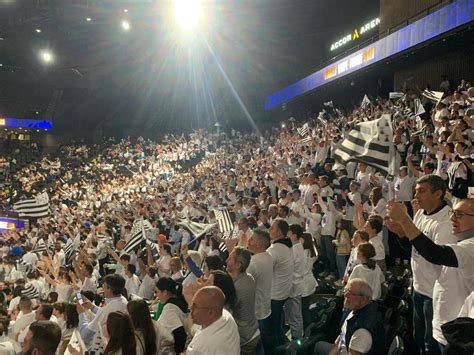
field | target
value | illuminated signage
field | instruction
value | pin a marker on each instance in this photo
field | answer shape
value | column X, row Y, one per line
column 2, row 122
column 355, row 34
column 7, row 225
column 458, row 13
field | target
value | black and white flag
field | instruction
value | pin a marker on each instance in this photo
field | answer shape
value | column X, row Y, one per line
column 328, row 104
column 40, row 247
column 37, row 207
column 372, row 143
column 30, row 291
column 366, row 103
column 435, row 96
column 419, row 109
column 223, row 220
column 195, row 228
column 137, row 236
column 306, row 140
column 395, row 95
column 304, row 130
column 70, row 248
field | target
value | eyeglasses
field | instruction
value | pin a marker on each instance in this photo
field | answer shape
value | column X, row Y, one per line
column 459, row 214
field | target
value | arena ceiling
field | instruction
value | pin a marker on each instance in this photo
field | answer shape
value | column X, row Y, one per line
column 151, row 76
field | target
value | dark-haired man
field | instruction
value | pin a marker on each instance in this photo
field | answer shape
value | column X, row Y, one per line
column 42, row 339
column 113, row 287
column 431, row 219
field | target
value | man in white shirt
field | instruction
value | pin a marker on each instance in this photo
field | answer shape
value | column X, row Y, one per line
column 282, row 282
column 456, row 279
column 22, row 322
column 29, row 257
column 292, row 308
column 132, row 282
column 218, row 333
column 261, row 268
column 432, row 220
column 404, row 188
column 373, row 227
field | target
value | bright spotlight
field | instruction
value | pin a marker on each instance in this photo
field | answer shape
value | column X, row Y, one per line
column 46, row 56
column 88, row 19
column 125, row 25
column 125, row 10
column 38, row 30
column 188, row 13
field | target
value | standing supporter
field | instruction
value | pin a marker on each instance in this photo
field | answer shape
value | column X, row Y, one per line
column 343, row 247
column 282, row 281
column 328, row 232
column 309, row 281
column 432, row 219
column 455, row 281
column 357, row 238
column 42, row 338
column 261, row 268
column 118, row 331
column 244, row 312
column 113, row 287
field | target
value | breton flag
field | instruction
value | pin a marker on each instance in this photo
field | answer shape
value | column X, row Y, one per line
column 30, row 291
column 70, row 248
column 371, row 143
column 303, row 131
column 138, row 235
column 197, row 229
column 395, row 95
column 328, row 104
column 419, row 109
column 366, row 102
column 435, row 96
column 223, row 220
column 37, row 207
column 40, row 247
column 307, row 140
column 76, row 342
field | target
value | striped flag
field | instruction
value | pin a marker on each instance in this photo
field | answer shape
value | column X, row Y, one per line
column 223, row 220
column 137, row 236
column 328, row 104
column 372, row 143
column 196, row 229
column 395, row 95
column 40, row 247
column 435, row 96
column 419, row 109
column 37, row 207
column 24, row 267
column 303, row 131
column 306, row 140
column 366, row 103
column 70, row 248
column 30, row 291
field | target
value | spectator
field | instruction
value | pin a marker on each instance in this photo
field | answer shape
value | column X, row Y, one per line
column 219, row 333
column 361, row 330
column 118, row 331
column 43, row 338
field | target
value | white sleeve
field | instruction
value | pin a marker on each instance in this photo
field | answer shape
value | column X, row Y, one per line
column 169, row 318
column 361, row 341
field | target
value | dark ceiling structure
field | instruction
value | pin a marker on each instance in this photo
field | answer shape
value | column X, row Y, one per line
column 151, row 78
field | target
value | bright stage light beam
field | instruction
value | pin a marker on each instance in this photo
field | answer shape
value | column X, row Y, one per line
column 46, row 56
column 188, row 13
column 125, row 25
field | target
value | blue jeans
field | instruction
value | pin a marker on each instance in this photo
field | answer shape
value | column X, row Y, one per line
column 341, row 262
column 294, row 317
column 328, row 253
column 422, row 324
column 271, row 328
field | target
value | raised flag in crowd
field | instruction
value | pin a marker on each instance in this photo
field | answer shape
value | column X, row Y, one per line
column 223, row 220
column 37, row 207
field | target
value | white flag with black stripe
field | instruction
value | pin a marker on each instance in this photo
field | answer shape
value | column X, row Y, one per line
column 435, row 96
column 395, row 95
column 306, row 140
column 137, row 236
column 419, row 109
column 366, row 103
column 197, row 229
column 40, row 247
column 70, row 248
column 372, row 143
column 37, row 207
column 223, row 220
column 30, row 291
column 303, row 131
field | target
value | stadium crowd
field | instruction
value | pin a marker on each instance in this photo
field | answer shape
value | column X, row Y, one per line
column 76, row 280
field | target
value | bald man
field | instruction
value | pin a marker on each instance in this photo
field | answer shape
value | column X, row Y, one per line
column 456, row 279
column 219, row 333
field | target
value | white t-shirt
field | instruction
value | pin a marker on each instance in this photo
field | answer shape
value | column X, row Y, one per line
column 261, row 268
column 361, row 339
column 404, row 188
column 452, row 288
column 467, row 309
column 377, row 243
column 438, row 228
column 283, row 267
column 172, row 317
column 221, row 337
column 374, row 277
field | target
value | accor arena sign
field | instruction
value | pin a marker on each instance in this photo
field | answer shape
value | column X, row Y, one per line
column 355, row 34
